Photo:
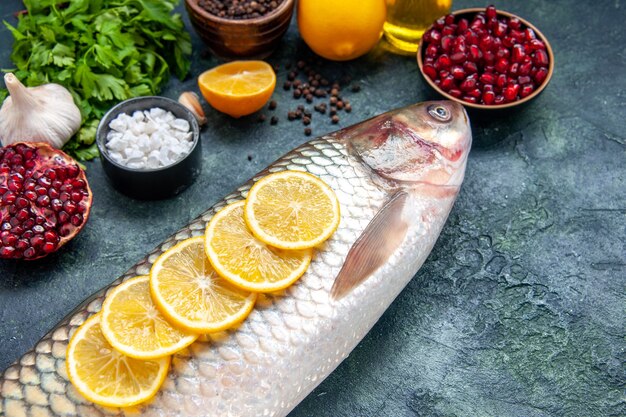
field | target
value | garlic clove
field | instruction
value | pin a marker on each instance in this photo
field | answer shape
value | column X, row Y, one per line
column 190, row 100
column 46, row 113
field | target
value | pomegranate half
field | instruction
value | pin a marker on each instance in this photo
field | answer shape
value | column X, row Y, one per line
column 44, row 200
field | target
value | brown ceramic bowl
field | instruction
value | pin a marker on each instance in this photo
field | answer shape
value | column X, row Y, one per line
column 469, row 13
column 249, row 38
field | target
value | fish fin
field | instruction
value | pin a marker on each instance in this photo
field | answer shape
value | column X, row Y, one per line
column 372, row 249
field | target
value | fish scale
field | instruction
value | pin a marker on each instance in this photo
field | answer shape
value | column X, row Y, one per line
column 290, row 341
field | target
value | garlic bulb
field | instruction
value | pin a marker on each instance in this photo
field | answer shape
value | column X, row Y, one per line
column 190, row 100
column 46, row 113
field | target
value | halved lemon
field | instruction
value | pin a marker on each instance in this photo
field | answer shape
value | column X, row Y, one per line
column 292, row 210
column 188, row 291
column 238, row 88
column 247, row 262
column 133, row 325
column 107, row 377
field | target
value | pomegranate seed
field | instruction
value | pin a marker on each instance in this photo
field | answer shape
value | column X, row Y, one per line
column 470, row 67
column 449, row 19
column 38, row 229
column 468, row 84
column 488, row 87
column 527, row 89
column 499, row 100
column 51, row 236
column 69, row 207
column 14, row 186
column 43, row 201
column 525, row 79
column 443, row 74
column 22, row 244
column 541, row 75
column 435, row 35
column 72, row 171
column 56, row 204
column 49, row 247
column 41, row 190
column 44, row 181
column 510, row 92
column 489, row 57
column 514, row 23
column 487, row 78
column 77, row 196
column 500, row 29
column 501, row 65
column 530, row 34
column 9, row 239
column 30, row 185
column 540, row 58
column 446, row 43
column 508, row 41
column 502, row 53
column 37, row 241
column 23, row 214
column 432, row 50
column 458, row 72
column 76, row 220
column 63, row 217
column 513, row 69
column 31, row 195
column 458, row 57
column 471, row 37
column 490, row 11
column 9, row 197
column 475, row 53
column 536, row 44
column 50, row 173
column 470, row 99
column 446, row 84
column 462, row 26
column 430, row 71
column 485, row 43
column 525, row 68
column 518, row 53
column 21, row 202
column 455, row 92
column 443, row 62
column 7, row 251
column 53, row 193
column 18, row 230
column 501, row 80
column 474, row 93
column 448, row 30
column 29, row 253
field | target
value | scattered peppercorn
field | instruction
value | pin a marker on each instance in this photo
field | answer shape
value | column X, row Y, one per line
column 291, row 115
column 306, row 121
column 272, row 105
column 249, row 157
column 335, row 119
column 287, row 85
column 356, row 88
column 274, row 120
column 307, row 131
column 297, row 93
column 261, row 118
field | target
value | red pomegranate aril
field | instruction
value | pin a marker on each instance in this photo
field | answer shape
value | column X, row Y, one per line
column 468, row 84
column 41, row 190
column 502, row 65
column 31, row 195
column 503, row 53
column 63, row 217
column 71, row 171
column 7, row 251
column 443, row 74
column 38, row 228
column 475, row 54
column 470, row 67
column 69, row 207
column 43, row 201
column 540, row 58
column 524, row 79
column 448, row 19
column 541, row 75
column 14, row 186
column 530, row 34
column 513, row 69
column 517, row 35
column 458, row 72
column 49, row 247
column 518, row 53
column 6, row 226
column 490, row 11
column 488, row 97
column 508, row 41
column 446, row 43
column 56, row 204
column 9, row 239
column 514, row 23
column 485, row 43
column 30, row 185
column 76, row 219
column 23, row 214
column 28, row 234
column 524, row 69
column 435, row 35
column 471, row 38
column 443, row 62
column 446, row 83
column 500, row 29
column 448, row 30
column 489, row 57
column 458, row 57
column 527, row 89
column 50, row 236
column 432, row 50
column 430, row 71
column 77, row 196
column 510, row 92
column 9, row 197
column 487, row 78
column 455, row 92
column 478, row 22
column 470, row 99
column 462, row 26
column 21, row 202
column 37, row 241
column 488, row 87
column 475, row 93
column 499, row 100
column 536, row 44
column 30, row 252
column 501, row 80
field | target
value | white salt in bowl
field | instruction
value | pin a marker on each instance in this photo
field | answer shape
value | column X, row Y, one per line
column 149, row 182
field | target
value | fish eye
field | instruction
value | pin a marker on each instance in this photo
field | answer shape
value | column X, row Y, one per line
column 439, row 112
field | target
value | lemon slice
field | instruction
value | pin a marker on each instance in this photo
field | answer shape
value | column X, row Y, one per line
column 188, row 291
column 247, row 262
column 292, row 210
column 133, row 325
column 107, row 377
column 238, row 88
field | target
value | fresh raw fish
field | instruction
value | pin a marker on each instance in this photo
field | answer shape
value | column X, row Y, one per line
column 396, row 177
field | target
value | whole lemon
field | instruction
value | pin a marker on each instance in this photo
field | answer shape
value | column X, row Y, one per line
column 341, row 29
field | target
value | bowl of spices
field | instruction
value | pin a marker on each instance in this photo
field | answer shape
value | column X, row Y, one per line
column 150, row 147
column 485, row 59
column 240, row 28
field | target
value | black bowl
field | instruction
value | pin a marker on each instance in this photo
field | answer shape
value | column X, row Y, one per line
column 157, row 183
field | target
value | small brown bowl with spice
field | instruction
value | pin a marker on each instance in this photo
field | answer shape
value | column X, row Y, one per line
column 486, row 59
column 248, row 29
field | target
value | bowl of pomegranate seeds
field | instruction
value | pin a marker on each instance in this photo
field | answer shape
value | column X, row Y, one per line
column 485, row 58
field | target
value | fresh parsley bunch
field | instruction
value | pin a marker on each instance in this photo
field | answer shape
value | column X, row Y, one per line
column 102, row 51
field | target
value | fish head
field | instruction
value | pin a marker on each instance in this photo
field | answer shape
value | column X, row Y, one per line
column 423, row 144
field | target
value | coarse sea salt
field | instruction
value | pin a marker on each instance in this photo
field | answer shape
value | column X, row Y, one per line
column 149, row 139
